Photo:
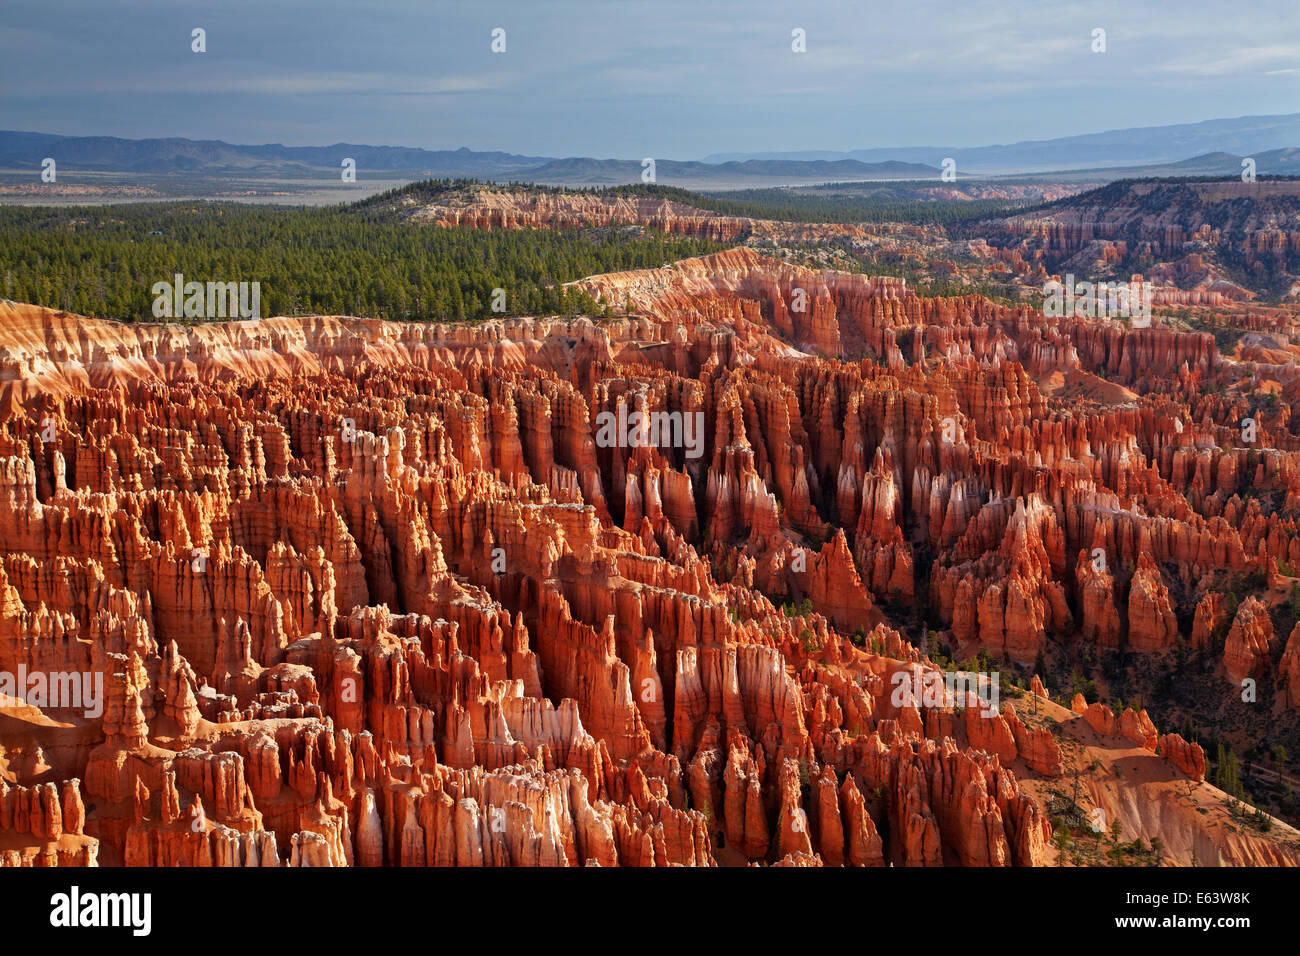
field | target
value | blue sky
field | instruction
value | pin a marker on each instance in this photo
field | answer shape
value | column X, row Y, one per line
column 622, row 79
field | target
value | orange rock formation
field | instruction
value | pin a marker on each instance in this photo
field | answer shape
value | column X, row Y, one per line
column 374, row 594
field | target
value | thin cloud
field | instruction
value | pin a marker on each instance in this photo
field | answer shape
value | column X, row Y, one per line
column 1251, row 59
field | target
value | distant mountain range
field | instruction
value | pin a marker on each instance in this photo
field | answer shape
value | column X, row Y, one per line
column 1243, row 136
column 1214, row 147
column 111, row 154
column 1272, row 162
column 20, row 150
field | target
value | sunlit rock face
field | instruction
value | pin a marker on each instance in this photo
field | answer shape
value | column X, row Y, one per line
column 635, row 591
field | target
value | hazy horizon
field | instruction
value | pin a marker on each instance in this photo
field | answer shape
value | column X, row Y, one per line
column 471, row 148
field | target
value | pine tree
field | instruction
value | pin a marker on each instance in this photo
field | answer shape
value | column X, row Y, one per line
column 1227, row 776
